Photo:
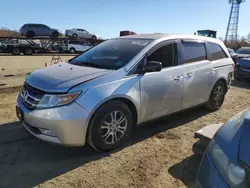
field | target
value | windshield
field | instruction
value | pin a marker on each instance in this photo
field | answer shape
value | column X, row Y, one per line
column 243, row 51
column 111, row 54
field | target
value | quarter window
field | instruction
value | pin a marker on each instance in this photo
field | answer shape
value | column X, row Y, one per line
column 216, row 52
column 193, row 52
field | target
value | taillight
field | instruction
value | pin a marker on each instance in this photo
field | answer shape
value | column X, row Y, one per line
column 233, row 66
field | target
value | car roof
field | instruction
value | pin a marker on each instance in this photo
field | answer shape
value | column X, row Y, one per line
column 245, row 47
column 156, row 36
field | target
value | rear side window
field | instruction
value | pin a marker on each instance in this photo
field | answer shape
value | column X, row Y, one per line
column 216, row 52
column 193, row 52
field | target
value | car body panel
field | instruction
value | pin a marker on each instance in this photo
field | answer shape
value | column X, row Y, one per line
column 208, row 175
column 243, row 68
column 196, row 75
column 233, row 139
column 152, row 94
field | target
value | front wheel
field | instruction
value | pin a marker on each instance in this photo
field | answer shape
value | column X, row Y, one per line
column 110, row 126
column 217, row 96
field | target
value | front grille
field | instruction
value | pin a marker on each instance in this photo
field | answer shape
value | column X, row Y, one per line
column 31, row 96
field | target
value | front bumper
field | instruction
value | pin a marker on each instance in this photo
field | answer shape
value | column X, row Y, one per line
column 208, row 176
column 67, row 123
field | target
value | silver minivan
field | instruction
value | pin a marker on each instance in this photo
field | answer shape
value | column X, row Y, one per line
column 98, row 96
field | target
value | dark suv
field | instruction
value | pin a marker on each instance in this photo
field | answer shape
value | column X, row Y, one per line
column 31, row 30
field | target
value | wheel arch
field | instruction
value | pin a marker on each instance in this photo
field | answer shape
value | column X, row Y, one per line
column 124, row 99
column 224, row 80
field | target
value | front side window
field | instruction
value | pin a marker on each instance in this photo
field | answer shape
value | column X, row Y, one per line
column 111, row 54
column 167, row 55
column 193, row 52
column 216, row 52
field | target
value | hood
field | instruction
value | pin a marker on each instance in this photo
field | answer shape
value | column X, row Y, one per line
column 243, row 55
column 63, row 76
column 245, row 62
column 244, row 145
column 230, row 137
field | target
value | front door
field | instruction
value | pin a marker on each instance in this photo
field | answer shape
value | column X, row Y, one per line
column 161, row 92
column 197, row 73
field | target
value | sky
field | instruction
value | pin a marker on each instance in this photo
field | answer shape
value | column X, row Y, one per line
column 106, row 18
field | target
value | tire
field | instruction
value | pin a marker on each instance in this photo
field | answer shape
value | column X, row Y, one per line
column 94, row 37
column 217, row 96
column 28, row 51
column 101, row 135
column 16, row 51
column 74, row 35
column 72, row 50
column 30, row 34
column 55, row 34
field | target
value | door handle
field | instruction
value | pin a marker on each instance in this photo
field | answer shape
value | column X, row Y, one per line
column 178, row 78
column 189, row 74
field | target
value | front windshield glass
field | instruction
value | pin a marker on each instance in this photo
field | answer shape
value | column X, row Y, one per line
column 111, row 54
column 243, row 51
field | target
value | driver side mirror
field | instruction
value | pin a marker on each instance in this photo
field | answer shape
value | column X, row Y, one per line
column 152, row 66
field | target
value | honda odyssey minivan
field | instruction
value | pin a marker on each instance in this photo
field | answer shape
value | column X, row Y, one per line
column 99, row 96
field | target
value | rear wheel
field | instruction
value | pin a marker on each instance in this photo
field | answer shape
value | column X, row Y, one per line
column 75, row 35
column 72, row 50
column 94, row 37
column 30, row 34
column 16, row 51
column 110, row 126
column 28, row 51
column 217, row 96
column 55, row 34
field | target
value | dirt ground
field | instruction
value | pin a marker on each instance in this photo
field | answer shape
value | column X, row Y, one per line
column 159, row 154
column 13, row 69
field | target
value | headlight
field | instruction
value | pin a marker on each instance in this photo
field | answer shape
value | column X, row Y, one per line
column 57, row 100
column 233, row 174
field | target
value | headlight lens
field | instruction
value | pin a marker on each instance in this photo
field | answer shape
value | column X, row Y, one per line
column 233, row 174
column 57, row 100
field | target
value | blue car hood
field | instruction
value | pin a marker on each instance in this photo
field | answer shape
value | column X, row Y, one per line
column 245, row 62
column 62, row 77
column 234, row 137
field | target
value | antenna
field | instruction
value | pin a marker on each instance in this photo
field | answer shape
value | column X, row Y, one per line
column 232, row 27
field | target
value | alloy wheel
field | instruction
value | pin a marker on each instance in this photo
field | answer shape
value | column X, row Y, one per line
column 113, row 127
column 218, row 96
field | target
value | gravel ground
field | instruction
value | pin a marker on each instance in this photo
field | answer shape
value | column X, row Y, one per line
column 158, row 154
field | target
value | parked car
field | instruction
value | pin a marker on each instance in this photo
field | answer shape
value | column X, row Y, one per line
column 32, row 30
column 242, row 69
column 80, row 33
column 226, row 162
column 98, row 96
column 78, row 46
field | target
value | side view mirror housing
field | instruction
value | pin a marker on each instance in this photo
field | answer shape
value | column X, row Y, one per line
column 152, row 66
